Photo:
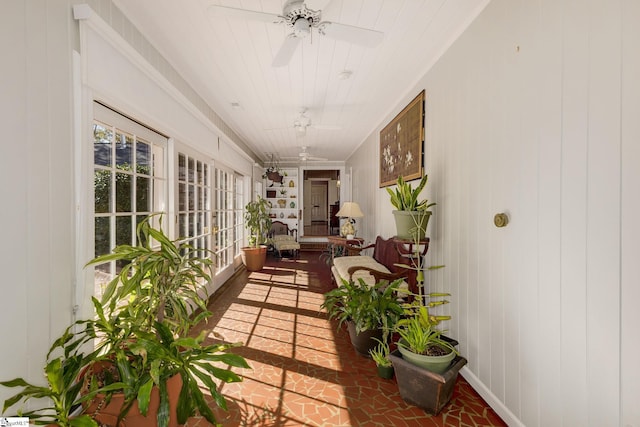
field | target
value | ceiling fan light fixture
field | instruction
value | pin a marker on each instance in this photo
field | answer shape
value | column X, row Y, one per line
column 301, row 28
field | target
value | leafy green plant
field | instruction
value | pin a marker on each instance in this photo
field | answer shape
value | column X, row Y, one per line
column 419, row 334
column 257, row 220
column 160, row 281
column 143, row 322
column 368, row 307
column 405, row 198
column 380, row 353
column 65, row 363
column 141, row 328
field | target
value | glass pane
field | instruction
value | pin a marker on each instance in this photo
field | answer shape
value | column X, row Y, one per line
column 102, row 140
column 102, row 190
column 200, row 198
column 143, row 158
column 205, row 198
column 206, row 174
column 199, row 172
column 124, row 151
column 139, row 219
column 143, row 194
column 182, row 168
column 192, row 195
column 192, row 225
column 123, row 192
column 182, row 226
column 182, row 197
column 123, row 236
column 191, row 170
column 102, row 236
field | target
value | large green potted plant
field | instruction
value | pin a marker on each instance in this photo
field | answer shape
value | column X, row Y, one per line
column 144, row 345
column 142, row 327
column 411, row 214
column 370, row 312
column 258, row 222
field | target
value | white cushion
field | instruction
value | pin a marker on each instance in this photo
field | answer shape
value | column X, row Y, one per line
column 342, row 264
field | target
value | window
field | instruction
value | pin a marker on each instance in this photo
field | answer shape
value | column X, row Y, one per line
column 129, row 183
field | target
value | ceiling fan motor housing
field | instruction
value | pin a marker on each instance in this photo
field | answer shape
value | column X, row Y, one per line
column 297, row 16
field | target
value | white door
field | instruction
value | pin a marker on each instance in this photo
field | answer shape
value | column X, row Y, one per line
column 318, row 201
column 194, row 195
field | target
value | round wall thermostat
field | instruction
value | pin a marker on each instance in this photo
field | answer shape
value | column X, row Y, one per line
column 501, row 220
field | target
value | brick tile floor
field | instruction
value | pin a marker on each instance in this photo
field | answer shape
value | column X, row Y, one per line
column 305, row 371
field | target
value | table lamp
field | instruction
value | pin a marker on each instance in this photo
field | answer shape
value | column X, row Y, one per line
column 349, row 210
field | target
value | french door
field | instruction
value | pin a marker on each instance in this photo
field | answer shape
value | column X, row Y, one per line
column 229, row 191
column 194, row 195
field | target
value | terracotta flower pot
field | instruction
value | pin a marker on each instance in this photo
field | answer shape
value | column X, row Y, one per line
column 254, row 259
column 107, row 411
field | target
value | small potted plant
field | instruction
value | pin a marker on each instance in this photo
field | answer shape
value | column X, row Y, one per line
column 380, row 355
column 369, row 311
column 258, row 221
column 275, row 174
column 411, row 214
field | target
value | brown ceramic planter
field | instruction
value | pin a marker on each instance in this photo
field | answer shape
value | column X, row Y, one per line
column 423, row 388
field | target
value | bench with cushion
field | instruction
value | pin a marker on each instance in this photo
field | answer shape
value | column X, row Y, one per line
column 283, row 239
column 379, row 266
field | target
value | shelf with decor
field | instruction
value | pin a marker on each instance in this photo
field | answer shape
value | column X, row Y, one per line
column 282, row 194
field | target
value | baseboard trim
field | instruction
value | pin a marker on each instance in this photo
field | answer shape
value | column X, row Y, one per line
column 496, row 404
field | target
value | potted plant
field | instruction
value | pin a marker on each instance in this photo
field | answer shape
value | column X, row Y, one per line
column 426, row 363
column 258, row 221
column 142, row 330
column 411, row 215
column 142, row 327
column 369, row 311
column 380, row 355
column 63, row 405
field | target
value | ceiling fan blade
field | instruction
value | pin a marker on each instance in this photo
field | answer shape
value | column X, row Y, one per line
column 348, row 33
column 326, row 127
column 233, row 13
column 286, row 51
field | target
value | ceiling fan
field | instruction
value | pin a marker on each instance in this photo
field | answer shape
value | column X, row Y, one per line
column 297, row 16
column 305, row 156
column 303, row 122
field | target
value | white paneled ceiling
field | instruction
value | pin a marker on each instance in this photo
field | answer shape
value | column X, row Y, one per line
column 228, row 61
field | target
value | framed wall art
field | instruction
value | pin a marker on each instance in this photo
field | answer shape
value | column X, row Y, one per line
column 402, row 144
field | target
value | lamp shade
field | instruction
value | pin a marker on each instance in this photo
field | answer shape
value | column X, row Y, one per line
column 350, row 210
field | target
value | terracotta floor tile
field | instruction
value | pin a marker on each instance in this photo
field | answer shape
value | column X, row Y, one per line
column 304, row 370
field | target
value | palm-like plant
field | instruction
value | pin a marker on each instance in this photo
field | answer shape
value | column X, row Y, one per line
column 405, row 198
column 161, row 281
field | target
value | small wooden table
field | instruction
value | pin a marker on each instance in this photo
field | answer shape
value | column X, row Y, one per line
column 346, row 245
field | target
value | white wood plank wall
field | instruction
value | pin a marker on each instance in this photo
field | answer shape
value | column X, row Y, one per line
column 534, row 111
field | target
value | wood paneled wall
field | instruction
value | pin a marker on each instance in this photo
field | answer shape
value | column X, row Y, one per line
column 534, row 112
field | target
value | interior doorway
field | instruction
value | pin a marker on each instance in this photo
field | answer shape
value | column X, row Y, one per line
column 321, row 200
